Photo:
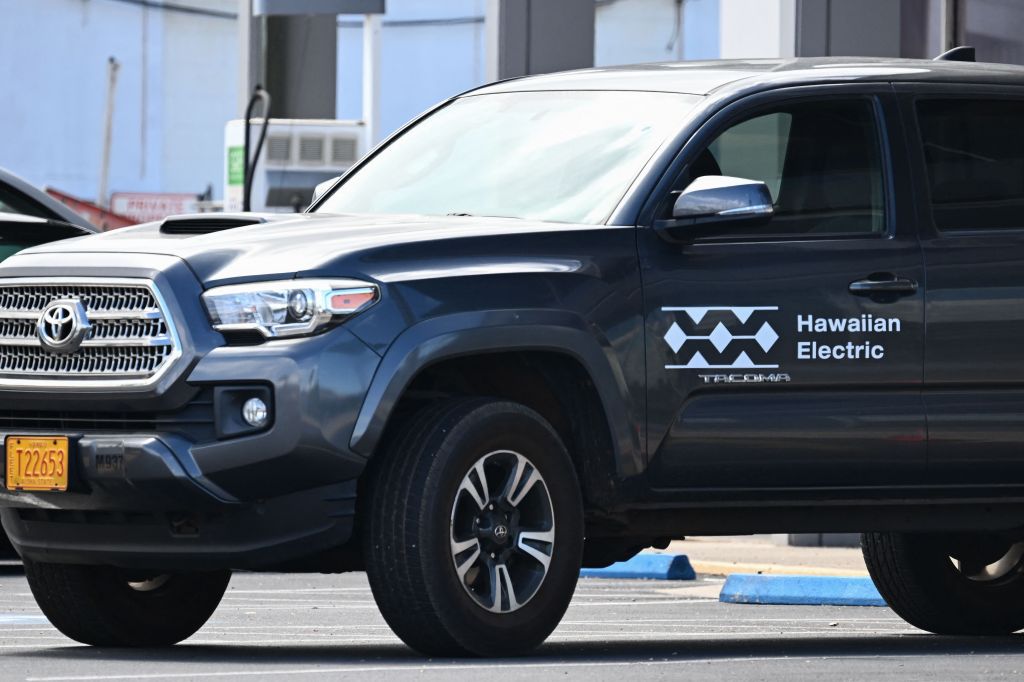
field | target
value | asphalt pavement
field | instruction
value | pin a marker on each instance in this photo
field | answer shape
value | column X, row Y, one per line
column 299, row 627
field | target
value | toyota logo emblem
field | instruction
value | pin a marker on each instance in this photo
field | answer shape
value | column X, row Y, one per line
column 63, row 326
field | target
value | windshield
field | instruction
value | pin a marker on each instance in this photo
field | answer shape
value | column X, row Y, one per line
column 554, row 156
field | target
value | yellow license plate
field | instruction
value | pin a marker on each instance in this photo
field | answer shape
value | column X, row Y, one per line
column 37, row 463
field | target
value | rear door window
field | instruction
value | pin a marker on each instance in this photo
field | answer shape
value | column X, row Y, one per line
column 974, row 154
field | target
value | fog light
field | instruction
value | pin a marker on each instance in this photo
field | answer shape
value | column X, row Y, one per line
column 255, row 412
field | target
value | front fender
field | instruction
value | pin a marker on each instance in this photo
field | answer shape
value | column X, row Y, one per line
column 462, row 334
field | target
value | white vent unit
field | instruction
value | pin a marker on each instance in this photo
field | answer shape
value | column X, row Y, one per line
column 298, row 155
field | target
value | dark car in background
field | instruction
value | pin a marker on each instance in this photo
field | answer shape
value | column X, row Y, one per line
column 20, row 197
column 19, row 232
column 30, row 217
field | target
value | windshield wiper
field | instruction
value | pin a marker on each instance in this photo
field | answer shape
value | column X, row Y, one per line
column 457, row 214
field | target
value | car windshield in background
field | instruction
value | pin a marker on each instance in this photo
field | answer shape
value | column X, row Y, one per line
column 553, row 156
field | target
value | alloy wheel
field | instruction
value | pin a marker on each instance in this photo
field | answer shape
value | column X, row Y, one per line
column 502, row 531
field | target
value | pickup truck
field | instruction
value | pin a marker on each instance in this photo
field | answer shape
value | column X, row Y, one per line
column 552, row 322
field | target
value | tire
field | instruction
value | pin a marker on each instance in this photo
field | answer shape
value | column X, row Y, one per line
column 418, row 511
column 6, row 548
column 924, row 584
column 102, row 606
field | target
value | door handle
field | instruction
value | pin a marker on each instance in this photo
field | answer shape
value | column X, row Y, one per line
column 883, row 283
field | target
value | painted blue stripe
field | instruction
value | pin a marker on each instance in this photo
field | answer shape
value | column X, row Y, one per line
column 817, row 590
column 646, row 566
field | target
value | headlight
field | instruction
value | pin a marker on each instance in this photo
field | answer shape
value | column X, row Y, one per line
column 294, row 307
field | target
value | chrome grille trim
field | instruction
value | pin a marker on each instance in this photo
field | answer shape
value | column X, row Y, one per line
column 133, row 341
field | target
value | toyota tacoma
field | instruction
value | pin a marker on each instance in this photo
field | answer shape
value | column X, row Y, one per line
column 552, row 322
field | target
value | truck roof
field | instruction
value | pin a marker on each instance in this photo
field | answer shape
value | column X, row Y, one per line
column 706, row 77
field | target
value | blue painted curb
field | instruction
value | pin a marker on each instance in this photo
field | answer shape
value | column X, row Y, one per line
column 816, row 590
column 646, row 566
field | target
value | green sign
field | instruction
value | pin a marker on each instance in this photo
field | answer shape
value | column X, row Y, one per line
column 236, row 165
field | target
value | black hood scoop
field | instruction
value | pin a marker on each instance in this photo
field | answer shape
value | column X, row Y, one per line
column 205, row 223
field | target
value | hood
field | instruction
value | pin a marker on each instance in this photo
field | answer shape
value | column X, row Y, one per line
column 326, row 245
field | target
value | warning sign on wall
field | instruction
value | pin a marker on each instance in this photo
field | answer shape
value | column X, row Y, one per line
column 147, row 206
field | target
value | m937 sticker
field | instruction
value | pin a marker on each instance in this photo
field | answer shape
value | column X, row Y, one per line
column 745, row 340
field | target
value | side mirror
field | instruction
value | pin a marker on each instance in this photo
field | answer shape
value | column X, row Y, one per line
column 323, row 188
column 713, row 202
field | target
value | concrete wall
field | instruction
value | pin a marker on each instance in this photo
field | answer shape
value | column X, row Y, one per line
column 200, row 69
column 179, row 75
column 995, row 28
column 865, row 28
column 528, row 37
column 633, row 31
column 757, row 28
column 429, row 51
column 175, row 90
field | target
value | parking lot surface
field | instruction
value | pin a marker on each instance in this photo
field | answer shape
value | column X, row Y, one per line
column 303, row 627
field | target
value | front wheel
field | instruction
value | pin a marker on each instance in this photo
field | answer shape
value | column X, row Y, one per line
column 950, row 584
column 473, row 529
column 105, row 606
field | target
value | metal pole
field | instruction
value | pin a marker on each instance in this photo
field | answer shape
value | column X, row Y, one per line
column 108, row 124
column 371, row 78
column 144, row 99
column 948, row 24
column 680, row 29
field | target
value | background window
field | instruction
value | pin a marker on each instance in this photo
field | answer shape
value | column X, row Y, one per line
column 974, row 151
column 820, row 160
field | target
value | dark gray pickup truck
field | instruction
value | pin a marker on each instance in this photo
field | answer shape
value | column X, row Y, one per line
column 552, row 322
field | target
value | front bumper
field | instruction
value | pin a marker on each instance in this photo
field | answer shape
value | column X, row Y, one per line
column 187, row 495
column 259, row 535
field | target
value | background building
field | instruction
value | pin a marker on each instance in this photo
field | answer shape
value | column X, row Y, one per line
column 177, row 80
column 170, row 103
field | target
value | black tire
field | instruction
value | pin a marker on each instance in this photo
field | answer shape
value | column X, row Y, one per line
column 6, row 548
column 408, row 511
column 97, row 605
column 917, row 578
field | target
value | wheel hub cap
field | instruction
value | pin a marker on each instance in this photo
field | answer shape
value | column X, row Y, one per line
column 986, row 569
column 502, row 531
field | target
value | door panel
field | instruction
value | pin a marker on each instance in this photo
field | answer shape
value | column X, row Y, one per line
column 969, row 159
column 764, row 369
column 791, row 439
column 974, row 374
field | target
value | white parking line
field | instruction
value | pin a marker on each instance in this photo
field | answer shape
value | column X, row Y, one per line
column 301, row 590
column 658, row 602
column 455, row 667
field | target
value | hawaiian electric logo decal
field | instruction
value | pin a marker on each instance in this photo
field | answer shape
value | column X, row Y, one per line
column 722, row 337
column 746, row 337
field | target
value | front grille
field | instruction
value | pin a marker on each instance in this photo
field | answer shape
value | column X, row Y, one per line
column 195, row 420
column 131, row 340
